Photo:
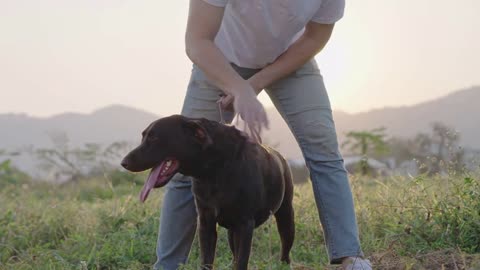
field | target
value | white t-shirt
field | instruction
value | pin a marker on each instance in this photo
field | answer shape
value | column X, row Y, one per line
column 255, row 32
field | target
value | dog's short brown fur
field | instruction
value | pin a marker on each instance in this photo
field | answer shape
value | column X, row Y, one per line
column 238, row 184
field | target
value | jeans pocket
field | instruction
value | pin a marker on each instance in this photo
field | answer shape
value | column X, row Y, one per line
column 200, row 80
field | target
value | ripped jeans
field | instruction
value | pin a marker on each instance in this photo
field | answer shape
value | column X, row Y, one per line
column 302, row 101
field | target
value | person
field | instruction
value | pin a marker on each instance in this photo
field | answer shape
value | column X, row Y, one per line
column 239, row 48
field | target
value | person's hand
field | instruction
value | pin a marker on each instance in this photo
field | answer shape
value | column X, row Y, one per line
column 249, row 108
column 226, row 101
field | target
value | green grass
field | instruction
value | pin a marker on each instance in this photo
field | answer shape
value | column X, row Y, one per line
column 98, row 223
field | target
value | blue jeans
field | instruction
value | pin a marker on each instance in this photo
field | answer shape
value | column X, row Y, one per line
column 302, row 100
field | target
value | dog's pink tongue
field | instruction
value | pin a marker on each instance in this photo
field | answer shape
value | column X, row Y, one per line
column 150, row 183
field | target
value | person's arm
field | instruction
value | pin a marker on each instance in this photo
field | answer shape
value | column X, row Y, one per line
column 204, row 21
column 312, row 41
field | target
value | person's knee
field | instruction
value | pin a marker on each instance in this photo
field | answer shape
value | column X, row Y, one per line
column 320, row 142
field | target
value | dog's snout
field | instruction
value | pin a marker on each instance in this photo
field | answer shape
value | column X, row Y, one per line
column 125, row 163
column 132, row 163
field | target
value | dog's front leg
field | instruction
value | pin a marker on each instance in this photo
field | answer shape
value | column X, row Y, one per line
column 208, row 237
column 243, row 242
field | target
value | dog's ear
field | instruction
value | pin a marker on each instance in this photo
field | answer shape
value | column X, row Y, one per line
column 195, row 128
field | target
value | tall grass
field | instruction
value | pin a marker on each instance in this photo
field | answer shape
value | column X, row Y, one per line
column 98, row 223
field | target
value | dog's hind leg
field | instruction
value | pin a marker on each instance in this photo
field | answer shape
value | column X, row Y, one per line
column 286, row 228
column 285, row 218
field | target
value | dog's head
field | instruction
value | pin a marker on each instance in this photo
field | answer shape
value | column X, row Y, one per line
column 167, row 144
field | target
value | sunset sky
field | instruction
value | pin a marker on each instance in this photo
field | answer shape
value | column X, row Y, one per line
column 80, row 55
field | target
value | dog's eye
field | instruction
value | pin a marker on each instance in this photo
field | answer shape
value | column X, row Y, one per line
column 152, row 137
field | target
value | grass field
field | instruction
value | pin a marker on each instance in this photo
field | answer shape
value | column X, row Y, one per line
column 98, row 223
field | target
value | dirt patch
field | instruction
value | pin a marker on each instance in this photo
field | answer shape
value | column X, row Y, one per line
column 437, row 260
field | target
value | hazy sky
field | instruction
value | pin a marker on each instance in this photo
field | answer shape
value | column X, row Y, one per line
column 79, row 55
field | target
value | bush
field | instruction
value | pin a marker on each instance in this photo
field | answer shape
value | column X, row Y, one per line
column 10, row 175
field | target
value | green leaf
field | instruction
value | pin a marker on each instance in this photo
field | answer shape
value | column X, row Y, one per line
column 468, row 180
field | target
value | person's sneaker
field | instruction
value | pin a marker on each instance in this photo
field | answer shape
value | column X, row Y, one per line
column 356, row 263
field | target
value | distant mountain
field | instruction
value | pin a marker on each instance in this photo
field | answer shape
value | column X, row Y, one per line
column 460, row 110
column 106, row 125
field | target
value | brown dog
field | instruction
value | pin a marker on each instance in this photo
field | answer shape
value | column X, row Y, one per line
column 238, row 184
